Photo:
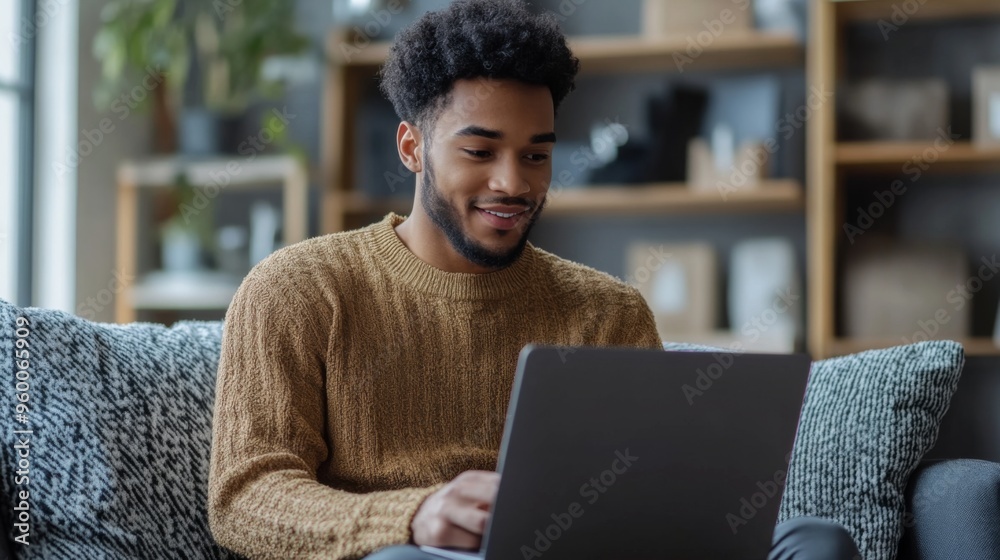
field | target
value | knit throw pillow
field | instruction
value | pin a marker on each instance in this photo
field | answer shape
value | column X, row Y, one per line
column 108, row 455
column 867, row 421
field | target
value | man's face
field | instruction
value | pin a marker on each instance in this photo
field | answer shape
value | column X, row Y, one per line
column 488, row 167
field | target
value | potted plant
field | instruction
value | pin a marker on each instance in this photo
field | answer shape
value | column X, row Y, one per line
column 203, row 62
column 208, row 56
column 185, row 229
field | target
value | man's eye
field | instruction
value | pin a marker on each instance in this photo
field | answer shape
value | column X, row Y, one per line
column 538, row 158
column 480, row 154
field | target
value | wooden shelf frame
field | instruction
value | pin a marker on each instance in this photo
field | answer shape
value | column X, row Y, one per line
column 222, row 173
column 627, row 53
column 821, row 177
column 782, row 195
column 211, row 291
column 830, row 162
column 960, row 156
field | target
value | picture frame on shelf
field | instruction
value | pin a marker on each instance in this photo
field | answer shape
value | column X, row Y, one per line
column 765, row 300
column 986, row 106
column 679, row 283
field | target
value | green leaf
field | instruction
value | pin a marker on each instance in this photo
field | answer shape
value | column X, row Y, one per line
column 138, row 34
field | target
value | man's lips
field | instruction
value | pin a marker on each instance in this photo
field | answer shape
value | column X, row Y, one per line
column 503, row 219
column 503, row 209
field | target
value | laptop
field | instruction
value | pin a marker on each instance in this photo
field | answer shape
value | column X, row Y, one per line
column 637, row 454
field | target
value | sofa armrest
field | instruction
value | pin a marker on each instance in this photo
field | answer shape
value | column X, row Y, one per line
column 952, row 511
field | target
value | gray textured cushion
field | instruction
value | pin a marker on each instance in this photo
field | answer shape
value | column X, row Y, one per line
column 867, row 421
column 121, row 421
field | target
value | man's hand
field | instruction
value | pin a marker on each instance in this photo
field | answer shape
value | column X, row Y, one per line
column 455, row 516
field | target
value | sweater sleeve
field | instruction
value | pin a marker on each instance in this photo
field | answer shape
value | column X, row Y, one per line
column 635, row 325
column 268, row 440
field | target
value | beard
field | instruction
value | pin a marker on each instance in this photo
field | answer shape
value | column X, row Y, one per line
column 449, row 220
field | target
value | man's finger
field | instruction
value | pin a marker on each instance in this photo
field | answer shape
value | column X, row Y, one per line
column 478, row 476
column 480, row 491
column 468, row 519
column 453, row 536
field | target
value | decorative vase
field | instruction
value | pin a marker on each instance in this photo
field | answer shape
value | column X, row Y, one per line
column 181, row 249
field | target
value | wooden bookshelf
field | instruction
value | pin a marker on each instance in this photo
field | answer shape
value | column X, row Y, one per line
column 213, row 176
column 821, row 178
column 664, row 198
column 893, row 155
column 667, row 198
column 352, row 71
column 353, row 64
column 830, row 163
column 621, row 54
column 242, row 172
column 730, row 51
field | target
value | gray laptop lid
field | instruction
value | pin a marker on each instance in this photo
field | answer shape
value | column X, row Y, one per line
column 623, row 453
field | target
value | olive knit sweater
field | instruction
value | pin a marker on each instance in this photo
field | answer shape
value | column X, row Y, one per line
column 355, row 380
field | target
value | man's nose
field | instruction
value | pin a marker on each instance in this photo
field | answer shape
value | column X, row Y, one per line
column 508, row 178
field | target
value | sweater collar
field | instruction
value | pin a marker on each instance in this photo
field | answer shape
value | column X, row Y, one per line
column 402, row 264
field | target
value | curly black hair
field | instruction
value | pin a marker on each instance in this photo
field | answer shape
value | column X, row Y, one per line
column 498, row 39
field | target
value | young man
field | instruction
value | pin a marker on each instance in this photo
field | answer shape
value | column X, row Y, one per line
column 365, row 375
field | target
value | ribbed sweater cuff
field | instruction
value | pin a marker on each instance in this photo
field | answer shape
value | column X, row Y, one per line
column 384, row 514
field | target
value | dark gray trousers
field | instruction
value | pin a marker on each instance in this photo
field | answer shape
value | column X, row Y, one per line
column 803, row 538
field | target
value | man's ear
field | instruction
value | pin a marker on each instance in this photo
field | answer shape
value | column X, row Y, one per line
column 410, row 144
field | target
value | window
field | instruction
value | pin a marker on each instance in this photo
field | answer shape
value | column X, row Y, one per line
column 16, row 147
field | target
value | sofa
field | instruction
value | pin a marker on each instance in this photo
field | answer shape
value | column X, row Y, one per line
column 109, row 427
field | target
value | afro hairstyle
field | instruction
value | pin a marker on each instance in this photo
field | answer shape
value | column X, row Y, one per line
column 496, row 39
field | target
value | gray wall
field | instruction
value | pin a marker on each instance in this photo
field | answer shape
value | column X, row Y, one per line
column 96, row 187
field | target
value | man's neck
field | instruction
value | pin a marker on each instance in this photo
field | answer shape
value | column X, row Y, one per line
column 425, row 240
